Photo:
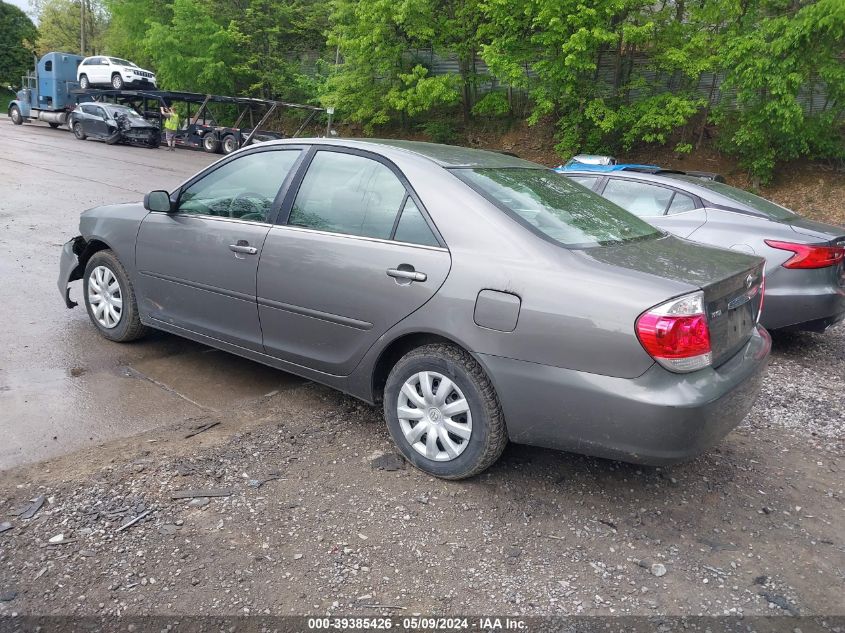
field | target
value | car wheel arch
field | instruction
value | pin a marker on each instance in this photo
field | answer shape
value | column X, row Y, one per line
column 394, row 351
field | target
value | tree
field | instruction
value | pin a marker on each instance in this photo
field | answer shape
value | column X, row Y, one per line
column 192, row 51
column 378, row 79
column 17, row 44
column 59, row 25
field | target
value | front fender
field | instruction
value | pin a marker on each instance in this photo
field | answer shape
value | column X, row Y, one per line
column 70, row 268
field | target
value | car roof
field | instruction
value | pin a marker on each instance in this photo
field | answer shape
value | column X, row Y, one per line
column 449, row 156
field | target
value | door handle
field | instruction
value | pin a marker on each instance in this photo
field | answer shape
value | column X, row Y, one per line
column 243, row 247
column 409, row 275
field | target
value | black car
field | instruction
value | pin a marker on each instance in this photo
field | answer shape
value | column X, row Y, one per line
column 114, row 123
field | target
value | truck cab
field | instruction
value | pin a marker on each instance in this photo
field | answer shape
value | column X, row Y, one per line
column 45, row 94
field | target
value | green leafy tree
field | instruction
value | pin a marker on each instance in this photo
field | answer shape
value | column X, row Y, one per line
column 17, row 44
column 59, row 25
column 377, row 79
column 192, row 51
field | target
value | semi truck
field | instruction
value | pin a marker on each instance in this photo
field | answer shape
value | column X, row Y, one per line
column 46, row 94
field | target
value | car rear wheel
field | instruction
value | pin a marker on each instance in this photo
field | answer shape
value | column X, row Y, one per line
column 117, row 82
column 443, row 413
column 15, row 115
column 229, row 144
column 84, row 84
column 78, row 132
column 110, row 299
column 210, row 143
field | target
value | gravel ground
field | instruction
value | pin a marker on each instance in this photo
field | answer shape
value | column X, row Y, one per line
column 310, row 525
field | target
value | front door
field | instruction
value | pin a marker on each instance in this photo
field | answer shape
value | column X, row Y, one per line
column 356, row 256
column 197, row 266
column 95, row 123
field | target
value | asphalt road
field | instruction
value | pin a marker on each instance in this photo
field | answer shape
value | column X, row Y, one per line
column 62, row 387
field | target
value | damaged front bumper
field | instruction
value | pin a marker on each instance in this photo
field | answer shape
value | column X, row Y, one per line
column 69, row 267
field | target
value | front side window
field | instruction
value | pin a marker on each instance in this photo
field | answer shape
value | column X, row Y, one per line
column 639, row 198
column 556, row 207
column 349, row 194
column 243, row 189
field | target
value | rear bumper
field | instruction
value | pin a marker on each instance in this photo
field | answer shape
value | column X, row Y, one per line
column 657, row 418
column 807, row 308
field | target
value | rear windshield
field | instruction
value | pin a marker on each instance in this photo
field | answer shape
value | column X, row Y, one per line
column 556, row 207
column 761, row 205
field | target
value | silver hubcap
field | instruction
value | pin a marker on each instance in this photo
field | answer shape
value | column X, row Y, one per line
column 434, row 416
column 105, row 297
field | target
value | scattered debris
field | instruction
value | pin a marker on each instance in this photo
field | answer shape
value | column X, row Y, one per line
column 656, row 569
column 199, row 502
column 208, row 492
column 761, row 580
column 5, row 526
column 383, row 606
column 34, row 507
column 388, row 462
column 8, row 596
column 57, row 539
column 132, row 522
column 202, row 428
column 780, row 602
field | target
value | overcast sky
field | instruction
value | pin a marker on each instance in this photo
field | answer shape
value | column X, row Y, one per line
column 23, row 4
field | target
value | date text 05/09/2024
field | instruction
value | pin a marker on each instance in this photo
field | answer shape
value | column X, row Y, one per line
column 418, row 623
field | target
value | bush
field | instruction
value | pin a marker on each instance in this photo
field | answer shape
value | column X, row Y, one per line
column 440, row 131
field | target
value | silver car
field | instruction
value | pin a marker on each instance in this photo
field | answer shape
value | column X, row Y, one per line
column 479, row 297
column 805, row 269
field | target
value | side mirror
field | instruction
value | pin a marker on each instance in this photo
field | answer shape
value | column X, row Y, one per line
column 158, row 201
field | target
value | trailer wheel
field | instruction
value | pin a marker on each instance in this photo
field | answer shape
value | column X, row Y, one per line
column 84, row 84
column 15, row 115
column 210, row 143
column 78, row 132
column 229, row 144
column 117, row 82
column 53, row 125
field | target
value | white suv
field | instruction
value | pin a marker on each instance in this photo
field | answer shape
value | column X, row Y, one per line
column 113, row 72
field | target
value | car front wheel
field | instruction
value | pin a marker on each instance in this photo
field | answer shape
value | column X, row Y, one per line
column 117, row 82
column 110, row 298
column 443, row 413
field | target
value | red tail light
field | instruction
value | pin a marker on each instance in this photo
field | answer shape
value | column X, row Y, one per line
column 809, row 255
column 676, row 333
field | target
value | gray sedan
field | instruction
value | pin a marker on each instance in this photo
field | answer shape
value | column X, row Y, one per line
column 477, row 296
column 805, row 274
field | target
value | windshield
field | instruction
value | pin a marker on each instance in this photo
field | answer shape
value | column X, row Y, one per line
column 117, row 111
column 761, row 205
column 121, row 62
column 557, row 207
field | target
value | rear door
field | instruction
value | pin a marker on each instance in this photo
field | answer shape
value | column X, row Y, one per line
column 197, row 266
column 356, row 254
column 669, row 209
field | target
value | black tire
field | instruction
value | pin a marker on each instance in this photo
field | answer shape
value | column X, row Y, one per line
column 15, row 115
column 84, row 84
column 489, row 433
column 210, row 143
column 53, row 125
column 78, row 132
column 129, row 326
column 229, row 144
column 117, row 82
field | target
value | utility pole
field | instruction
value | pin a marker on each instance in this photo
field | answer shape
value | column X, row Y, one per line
column 82, row 27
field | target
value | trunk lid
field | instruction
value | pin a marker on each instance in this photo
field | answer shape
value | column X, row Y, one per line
column 731, row 282
column 818, row 230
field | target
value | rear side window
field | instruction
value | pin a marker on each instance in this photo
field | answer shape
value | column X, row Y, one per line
column 413, row 228
column 639, row 198
column 556, row 207
column 681, row 203
column 585, row 181
column 349, row 194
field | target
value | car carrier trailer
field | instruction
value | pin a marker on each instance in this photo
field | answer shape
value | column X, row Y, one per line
column 50, row 93
column 201, row 129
